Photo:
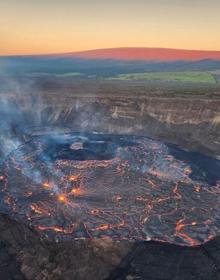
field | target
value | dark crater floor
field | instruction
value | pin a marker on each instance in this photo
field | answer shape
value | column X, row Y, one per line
column 79, row 185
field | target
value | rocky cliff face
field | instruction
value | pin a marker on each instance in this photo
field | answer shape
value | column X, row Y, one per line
column 192, row 123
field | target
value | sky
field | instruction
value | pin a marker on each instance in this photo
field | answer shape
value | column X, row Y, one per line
column 59, row 26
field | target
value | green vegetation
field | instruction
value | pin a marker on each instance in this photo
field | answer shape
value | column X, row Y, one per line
column 190, row 77
column 70, row 74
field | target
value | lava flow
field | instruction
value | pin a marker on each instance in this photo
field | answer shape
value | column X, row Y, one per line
column 124, row 187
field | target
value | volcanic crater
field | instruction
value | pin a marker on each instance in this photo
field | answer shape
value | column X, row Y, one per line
column 85, row 185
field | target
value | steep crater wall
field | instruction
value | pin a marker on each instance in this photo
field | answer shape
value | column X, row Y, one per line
column 192, row 123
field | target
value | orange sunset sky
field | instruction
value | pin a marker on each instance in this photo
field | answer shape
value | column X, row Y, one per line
column 58, row 26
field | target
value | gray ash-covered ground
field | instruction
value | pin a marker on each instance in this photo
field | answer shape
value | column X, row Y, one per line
column 72, row 186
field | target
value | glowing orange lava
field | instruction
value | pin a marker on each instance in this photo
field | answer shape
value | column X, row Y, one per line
column 62, row 198
column 75, row 191
column 143, row 191
column 53, row 228
column 102, row 227
column 73, row 178
column 46, row 185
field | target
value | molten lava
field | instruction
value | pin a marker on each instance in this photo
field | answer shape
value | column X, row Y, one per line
column 124, row 187
column 62, row 198
column 46, row 185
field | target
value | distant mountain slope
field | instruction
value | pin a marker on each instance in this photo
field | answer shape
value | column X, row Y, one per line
column 110, row 62
column 147, row 54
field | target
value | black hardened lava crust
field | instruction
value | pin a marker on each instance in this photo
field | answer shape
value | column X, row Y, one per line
column 80, row 185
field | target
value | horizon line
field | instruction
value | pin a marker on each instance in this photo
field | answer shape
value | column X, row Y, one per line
column 112, row 48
